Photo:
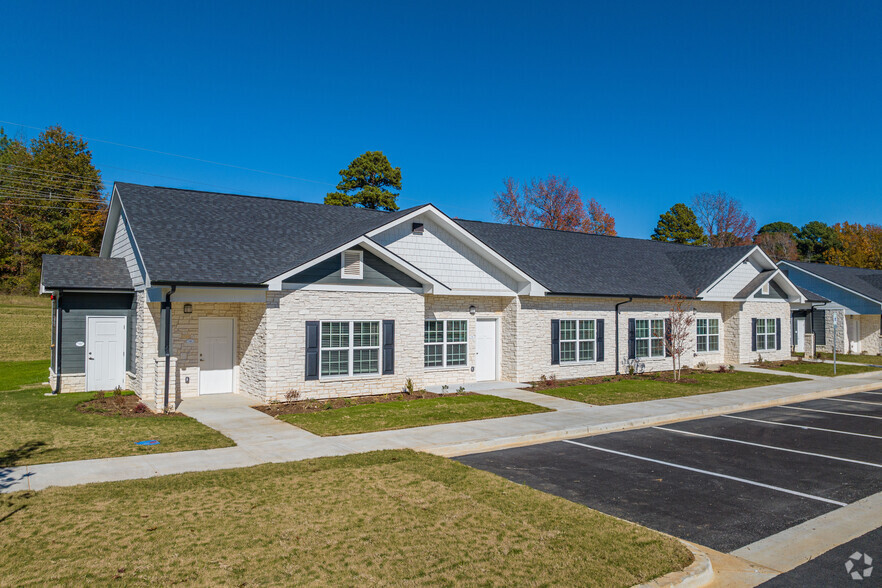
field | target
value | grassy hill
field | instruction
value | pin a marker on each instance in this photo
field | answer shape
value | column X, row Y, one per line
column 25, row 327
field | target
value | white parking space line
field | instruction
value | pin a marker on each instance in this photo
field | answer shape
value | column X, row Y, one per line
column 876, row 393
column 708, row 473
column 732, row 416
column 861, row 416
column 855, row 461
column 855, row 401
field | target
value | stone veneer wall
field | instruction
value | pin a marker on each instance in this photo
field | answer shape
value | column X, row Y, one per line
column 146, row 346
column 764, row 309
column 871, row 337
column 828, row 328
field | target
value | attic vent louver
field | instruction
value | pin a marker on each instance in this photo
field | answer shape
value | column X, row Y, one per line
column 351, row 264
column 417, row 228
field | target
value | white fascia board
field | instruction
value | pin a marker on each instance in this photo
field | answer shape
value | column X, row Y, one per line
column 113, row 212
column 347, row 288
column 832, row 283
column 765, row 262
column 782, row 281
column 275, row 283
column 491, row 255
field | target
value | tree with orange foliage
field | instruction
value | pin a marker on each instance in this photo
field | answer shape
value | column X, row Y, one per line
column 859, row 246
column 723, row 219
column 550, row 203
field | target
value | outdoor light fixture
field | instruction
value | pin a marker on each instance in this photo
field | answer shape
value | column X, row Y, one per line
column 188, row 308
column 472, row 309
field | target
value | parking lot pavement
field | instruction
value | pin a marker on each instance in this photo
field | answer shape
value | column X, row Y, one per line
column 724, row 482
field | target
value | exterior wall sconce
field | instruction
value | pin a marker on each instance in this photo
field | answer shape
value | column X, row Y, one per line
column 188, row 308
column 472, row 309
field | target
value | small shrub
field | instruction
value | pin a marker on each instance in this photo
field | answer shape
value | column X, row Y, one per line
column 702, row 365
column 759, row 358
column 99, row 395
column 444, row 389
column 543, row 381
column 723, row 369
column 292, row 395
column 607, row 379
column 631, row 369
column 327, row 406
column 140, row 407
column 408, row 385
column 552, row 381
column 460, row 390
column 117, row 391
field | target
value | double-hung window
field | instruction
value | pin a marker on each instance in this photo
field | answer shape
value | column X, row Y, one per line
column 446, row 343
column 350, row 348
column 649, row 337
column 578, row 340
column 708, row 335
column 766, row 335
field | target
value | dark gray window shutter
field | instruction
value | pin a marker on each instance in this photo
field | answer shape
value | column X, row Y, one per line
column 819, row 326
column 388, row 347
column 667, row 337
column 555, row 342
column 632, row 339
column 312, row 350
column 753, row 334
column 598, row 330
column 778, row 333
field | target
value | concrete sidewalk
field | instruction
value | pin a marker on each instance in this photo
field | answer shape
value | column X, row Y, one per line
column 262, row 439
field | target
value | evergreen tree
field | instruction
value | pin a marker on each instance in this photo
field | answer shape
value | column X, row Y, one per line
column 679, row 225
column 366, row 183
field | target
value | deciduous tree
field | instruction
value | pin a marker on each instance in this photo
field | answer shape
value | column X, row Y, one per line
column 679, row 336
column 679, row 225
column 598, row 221
column 858, row 246
column 726, row 223
column 366, row 183
column 778, row 246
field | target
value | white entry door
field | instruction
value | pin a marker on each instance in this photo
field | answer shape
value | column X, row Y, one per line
column 854, row 334
column 105, row 352
column 215, row 356
column 799, row 334
column 485, row 350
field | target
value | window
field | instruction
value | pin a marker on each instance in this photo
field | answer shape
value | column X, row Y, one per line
column 765, row 289
column 708, row 335
column 650, row 338
column 352, row 264
column 446, row 343
column 577, row 340
column 766, row 335
column 350, row 348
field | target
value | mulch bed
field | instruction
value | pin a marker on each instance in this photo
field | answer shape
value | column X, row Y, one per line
column 306, row 406
column 654, row 376
column 128, row 405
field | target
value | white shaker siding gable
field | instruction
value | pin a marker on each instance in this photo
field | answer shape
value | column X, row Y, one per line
column 734, row 281
column 445, row 257
column 122, row 248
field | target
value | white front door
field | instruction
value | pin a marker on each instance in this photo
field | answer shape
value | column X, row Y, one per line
column 485, row 350
column 215, row 356
column 799, row 334
column 105, row 352
column 854, row 334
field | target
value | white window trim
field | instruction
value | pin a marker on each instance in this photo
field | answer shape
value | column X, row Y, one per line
column 765, row 289
column 707, row 336
column 360, row 275
column 351, row 349
column 766, row 333
column 444, row 343
column 650, row 339
column 577, row 340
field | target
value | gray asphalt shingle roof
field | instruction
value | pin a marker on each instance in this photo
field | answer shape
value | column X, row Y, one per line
column 752, row 286
column 863, row 281
column 187, row 236
column 579, row 263
column 811, row 296
column 80, row 272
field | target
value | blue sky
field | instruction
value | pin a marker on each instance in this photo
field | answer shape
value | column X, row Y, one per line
column 641, row 104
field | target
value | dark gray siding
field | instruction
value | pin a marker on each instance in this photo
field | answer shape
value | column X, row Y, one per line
column 75, row 307
column 775, row 293
column 376, row 273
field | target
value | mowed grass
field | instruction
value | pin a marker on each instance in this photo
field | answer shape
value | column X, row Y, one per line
column 642, row 388
column 384, row 416
column 819, row 369
column 25, row 327
column 874, row 359
column 35, row 428
column 382, row 518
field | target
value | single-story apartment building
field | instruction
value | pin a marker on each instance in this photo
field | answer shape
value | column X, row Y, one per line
column 850, row 294
column 203, row 293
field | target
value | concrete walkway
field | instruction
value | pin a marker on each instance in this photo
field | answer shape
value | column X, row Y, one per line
column 262, row 439
column 771, row 372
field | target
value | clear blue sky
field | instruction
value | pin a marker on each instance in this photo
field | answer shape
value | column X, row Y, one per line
column 641, row 104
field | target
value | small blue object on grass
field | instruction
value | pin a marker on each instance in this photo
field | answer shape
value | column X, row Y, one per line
column 148, row 442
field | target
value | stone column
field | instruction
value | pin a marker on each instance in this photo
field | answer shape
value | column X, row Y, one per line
column 159, row 384
column 809, row 343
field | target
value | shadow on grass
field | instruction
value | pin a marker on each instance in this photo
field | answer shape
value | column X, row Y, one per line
column 10, row 458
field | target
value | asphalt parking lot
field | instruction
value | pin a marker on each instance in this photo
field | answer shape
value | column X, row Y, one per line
column 723, row 482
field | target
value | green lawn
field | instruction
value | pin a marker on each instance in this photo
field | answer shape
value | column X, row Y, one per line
column 876, row 359
column 641, row 388
column 403, row 414
column 25, row 327
column 817, row 369
column 35, row 428
column 382, row 518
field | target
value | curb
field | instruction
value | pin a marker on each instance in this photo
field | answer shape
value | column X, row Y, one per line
column 698, row 574
column 468, row 447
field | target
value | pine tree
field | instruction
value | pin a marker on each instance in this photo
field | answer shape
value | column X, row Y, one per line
column 679, row 225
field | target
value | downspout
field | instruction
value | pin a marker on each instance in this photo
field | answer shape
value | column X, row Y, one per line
column 58, row 316
column 168, row 341
column 618, row 363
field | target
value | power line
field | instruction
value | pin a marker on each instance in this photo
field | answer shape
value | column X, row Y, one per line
column 36, row 206
column 230, row 165
column 47, row 193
